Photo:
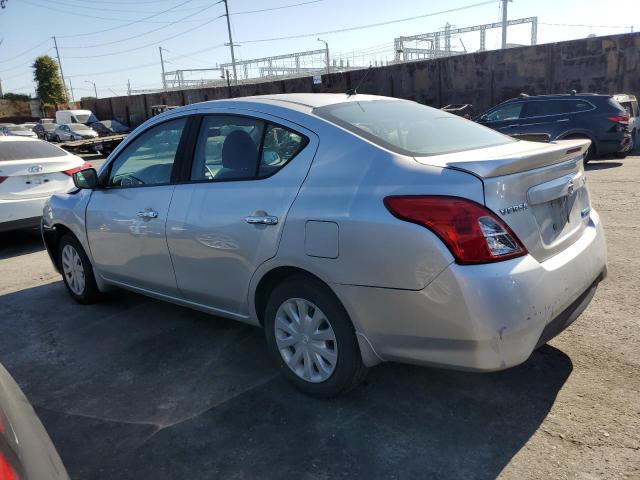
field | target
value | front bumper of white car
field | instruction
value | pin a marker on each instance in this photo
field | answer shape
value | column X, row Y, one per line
column 479, row 317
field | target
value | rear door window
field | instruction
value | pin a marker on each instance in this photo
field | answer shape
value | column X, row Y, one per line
column 241, row 148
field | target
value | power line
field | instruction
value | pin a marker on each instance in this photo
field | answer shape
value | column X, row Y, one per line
column 276, row 8
column 144, row 33
column 152, row 44
column 371, row 25
column 68, row 12
column 581, row 25
column 138, row 67
column 26, row 51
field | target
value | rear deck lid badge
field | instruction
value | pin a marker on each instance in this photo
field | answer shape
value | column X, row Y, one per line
column 513, row 209
column 35, row 169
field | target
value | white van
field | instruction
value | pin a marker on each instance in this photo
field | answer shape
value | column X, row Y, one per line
column 75, row 116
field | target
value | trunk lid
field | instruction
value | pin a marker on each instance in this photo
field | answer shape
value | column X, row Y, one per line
column 537, row 189
column 36, row 178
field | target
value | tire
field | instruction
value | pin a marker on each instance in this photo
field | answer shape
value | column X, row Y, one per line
column 56, row 138
column 77, row 271
column 323, row 378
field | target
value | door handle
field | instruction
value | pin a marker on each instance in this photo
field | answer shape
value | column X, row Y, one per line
column 148, row 214
column 261, row 219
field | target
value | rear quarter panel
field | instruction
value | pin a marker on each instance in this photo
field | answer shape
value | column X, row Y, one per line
column 347, row 183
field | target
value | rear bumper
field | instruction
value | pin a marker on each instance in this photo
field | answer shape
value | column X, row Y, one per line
column 15, row 214
column 480, row 317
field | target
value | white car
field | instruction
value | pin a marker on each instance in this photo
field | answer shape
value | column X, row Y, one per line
column 31, row 171
column 18, row 131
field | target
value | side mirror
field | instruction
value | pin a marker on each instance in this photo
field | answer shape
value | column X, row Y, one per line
column 87, row 179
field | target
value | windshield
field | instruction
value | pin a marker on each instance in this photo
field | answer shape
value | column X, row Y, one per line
column 49, row 126
column 83, row 118
column 29, row 151
column 410, row 128
column 78, row 126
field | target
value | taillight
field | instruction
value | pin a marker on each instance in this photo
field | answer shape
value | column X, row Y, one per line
column 2, row 179
column 6, row 470
column 472, row 233
column 619, row 119
column 84, row 166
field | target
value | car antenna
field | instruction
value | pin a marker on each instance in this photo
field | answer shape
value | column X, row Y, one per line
column 354, row 91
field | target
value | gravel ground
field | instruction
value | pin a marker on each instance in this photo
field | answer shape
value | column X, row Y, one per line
column 134, row 388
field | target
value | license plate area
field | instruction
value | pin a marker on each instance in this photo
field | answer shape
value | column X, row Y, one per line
column 562, row 216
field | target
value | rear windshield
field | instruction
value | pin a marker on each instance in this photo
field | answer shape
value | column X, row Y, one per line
column 78, row 126
column 28, row 150
column 82, row 118
column 410, row 128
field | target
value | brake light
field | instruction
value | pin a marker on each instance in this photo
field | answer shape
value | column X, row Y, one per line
column 2, row 179
column 6, row 470
column 472, row 233
column 84, row 166
column 619, row 119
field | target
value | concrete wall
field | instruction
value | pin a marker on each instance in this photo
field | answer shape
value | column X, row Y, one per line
column 597, row 65
column 14, row 111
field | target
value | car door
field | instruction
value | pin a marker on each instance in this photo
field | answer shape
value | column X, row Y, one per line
column 227, row 218
column 126, row 218
column 546, row 116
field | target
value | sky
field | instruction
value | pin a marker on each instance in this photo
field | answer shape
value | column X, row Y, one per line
column 115, row 42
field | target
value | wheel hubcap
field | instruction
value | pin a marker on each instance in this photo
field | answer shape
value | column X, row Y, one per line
column 306, row 340
column 73, row 269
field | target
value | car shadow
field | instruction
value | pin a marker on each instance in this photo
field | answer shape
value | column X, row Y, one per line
column 20, row 242
column 602, row 165
column 173, row 393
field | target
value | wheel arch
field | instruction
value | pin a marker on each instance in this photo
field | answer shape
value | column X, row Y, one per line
column 278, row 274
column 577, row 133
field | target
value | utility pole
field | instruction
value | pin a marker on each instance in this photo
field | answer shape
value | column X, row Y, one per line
column 55, row 42
column 233, row 56
column 73, row 100
column 326, row 54
column 95, row 89
column 164, row 79
column 129, row 87
column 504, row 22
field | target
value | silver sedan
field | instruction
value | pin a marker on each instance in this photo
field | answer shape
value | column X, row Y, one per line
column 355, row 229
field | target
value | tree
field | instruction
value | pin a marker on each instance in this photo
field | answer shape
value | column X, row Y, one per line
column 84, row 99
column 16, row 97
column 50, row 87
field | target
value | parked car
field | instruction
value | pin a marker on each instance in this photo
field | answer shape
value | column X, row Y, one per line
column 355, row 229
column 109, row 127
column 2, row 125
column 46, row 120
column 28, row 125
column 45, row 130
column 18, row 131
column 26, row 451
column 598, row 118
column 630, row 104
column 73, row 131
column 85, row 117
column 30, row 171
column 464, row 110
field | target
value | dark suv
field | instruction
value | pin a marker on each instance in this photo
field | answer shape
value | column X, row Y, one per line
column 596, row 117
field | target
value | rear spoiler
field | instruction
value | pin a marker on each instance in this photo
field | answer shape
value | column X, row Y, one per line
column 532, row 137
